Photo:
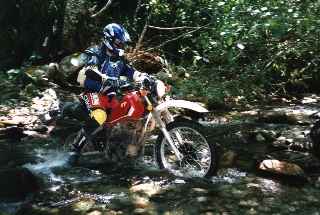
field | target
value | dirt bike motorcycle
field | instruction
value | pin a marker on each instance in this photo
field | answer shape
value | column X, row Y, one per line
column 181, row 147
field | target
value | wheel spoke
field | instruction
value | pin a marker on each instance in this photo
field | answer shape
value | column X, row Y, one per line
column 193, row 146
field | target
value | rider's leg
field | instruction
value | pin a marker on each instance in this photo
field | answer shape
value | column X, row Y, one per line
column 93, row 122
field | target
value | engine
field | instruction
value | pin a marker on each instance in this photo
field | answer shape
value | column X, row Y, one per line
column 125, row 142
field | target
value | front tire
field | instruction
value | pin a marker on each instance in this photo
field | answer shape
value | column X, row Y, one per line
column 199, row 155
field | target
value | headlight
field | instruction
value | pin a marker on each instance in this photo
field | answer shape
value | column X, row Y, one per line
column 161, row 88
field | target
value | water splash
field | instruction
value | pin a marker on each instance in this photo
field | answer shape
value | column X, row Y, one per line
column 230, row 176
column 49, row 160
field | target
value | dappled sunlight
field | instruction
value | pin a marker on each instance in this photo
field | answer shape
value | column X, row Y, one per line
column 281, row 167
column 36, row 111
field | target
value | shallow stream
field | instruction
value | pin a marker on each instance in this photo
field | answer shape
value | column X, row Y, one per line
column 96, row 187
column 99, row 188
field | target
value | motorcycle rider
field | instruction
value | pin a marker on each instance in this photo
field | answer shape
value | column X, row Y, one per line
column 101, row 74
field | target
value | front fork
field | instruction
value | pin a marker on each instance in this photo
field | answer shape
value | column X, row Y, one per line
column 166, row 134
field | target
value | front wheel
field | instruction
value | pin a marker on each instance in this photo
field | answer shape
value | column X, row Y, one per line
column 199, row 155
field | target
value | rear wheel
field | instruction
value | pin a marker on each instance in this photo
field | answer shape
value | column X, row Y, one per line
column 199, row 155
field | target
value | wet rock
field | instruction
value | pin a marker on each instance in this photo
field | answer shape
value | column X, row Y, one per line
column 227, row 159
column 199, row 190
column 308, row 162
column 41, row 129
column 120, row 204
column 17, row 183
column 150, row 188
column 83, row 205
column 248, row 203
column 140, row 211
column 281, row 143
column 38, row 75
column 65, row 72
column 252, row 211
column 94, row 213
column 260, row 138
column 277, row 117
column 140, row 201
column 281, row 167
column 235, row 193
column 269, row 135
column 71, row 63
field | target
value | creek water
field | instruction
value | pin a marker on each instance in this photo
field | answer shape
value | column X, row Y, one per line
column 96, row 186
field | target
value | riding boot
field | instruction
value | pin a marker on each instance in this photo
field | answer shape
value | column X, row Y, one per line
column 88, row 131
column 84, row 137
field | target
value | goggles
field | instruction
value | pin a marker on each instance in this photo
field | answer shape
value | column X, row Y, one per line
column 118, row 44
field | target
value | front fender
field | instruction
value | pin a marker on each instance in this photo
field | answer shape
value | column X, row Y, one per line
column 181, row 104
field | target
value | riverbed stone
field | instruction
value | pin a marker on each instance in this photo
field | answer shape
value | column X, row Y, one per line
column 248, row 203
column 281, row 143
column 65, row 72
column 260, row 138
column 307, row 161
column 150, row 188
column 83, row 205
column 140, row 201
column 227, row 159
column 236, row 193
column 95, row 212
column 281, row 167
column 199, row 190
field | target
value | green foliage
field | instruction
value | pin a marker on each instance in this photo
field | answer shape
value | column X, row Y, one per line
column 249, row 49
column 235, row 50
column 17, row 85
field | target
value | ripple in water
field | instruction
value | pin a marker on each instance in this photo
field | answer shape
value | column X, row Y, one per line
column 230, row 176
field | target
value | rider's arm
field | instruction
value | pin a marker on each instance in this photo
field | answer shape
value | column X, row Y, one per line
column 89, row 76
column 133, row 74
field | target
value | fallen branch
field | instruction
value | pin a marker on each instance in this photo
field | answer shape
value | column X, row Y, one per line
column 102, row 9
column 178, row 37
column 172, row 28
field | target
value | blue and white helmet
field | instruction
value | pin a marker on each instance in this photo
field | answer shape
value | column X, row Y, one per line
column 115, row 38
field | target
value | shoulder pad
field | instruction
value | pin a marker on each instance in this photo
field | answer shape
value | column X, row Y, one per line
column 93, row 50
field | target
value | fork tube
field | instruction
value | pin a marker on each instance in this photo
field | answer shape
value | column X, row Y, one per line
column 167, row 135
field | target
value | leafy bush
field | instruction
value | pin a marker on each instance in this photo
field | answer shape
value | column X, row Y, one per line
column 247, row 49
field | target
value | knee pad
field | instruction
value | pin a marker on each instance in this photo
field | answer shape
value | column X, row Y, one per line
column 99, row 115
